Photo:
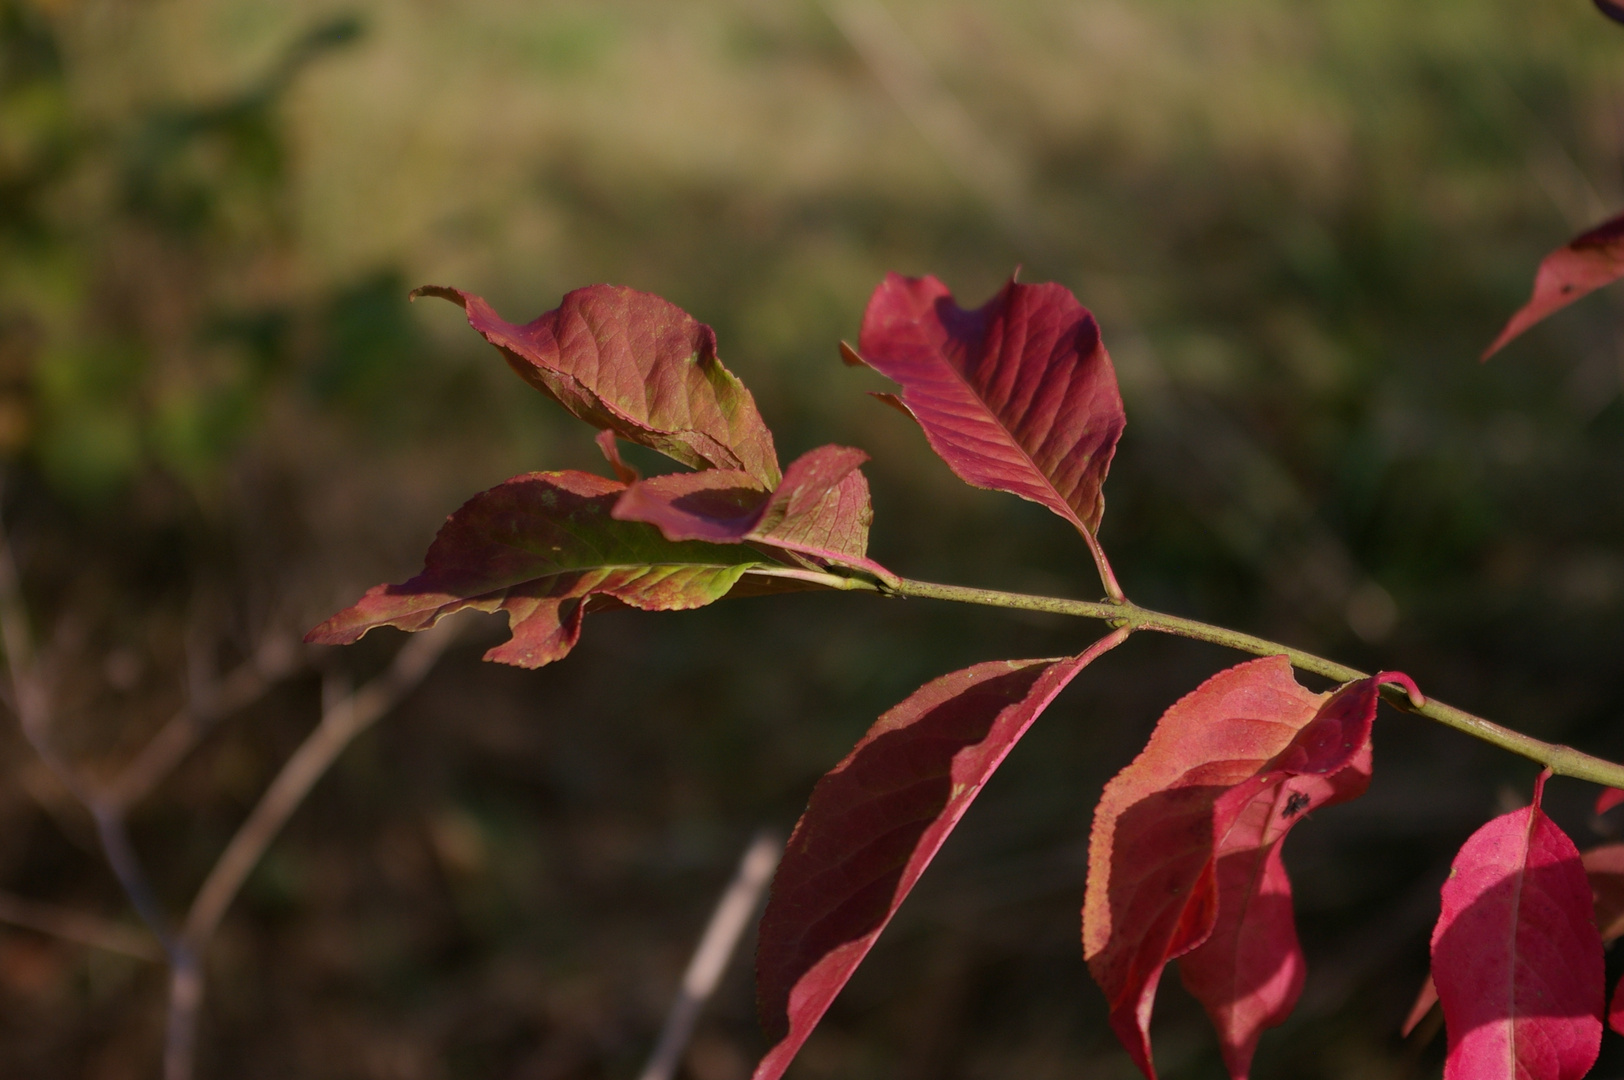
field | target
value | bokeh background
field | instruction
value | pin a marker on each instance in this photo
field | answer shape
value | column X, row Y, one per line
column 1299, row 222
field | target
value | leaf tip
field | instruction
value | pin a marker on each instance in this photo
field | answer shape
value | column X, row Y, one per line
column 444, row 292
column 851, row 357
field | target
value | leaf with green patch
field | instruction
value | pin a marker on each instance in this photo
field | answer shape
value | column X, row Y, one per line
column 544, row 548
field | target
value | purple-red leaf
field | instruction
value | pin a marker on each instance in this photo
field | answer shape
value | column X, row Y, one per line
column 543, row 548
column 821, row 509
column 873, row 824
column 1583, row 265
column 1018, row 395
column 632, row 363
column 1516, row 956
column 1609, row 798
column 1184, row 858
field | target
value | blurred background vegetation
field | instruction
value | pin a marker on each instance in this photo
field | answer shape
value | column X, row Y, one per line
column 1299, row 222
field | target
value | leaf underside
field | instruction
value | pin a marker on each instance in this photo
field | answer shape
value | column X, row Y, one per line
column 873, row 824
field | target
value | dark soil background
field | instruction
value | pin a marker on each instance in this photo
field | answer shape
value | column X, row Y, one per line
column 1299, row 222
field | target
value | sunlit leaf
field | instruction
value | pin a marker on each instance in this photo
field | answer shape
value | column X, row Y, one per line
column 1184, row 859
column 632, row 363
column 1581, row 266
column 1018, row 395
column 1516, row 955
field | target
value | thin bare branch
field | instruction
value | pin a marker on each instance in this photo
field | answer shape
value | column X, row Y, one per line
column 710, row 960
column 33, row 706
column 77, row 927
column 342, row 720
column 274, row 661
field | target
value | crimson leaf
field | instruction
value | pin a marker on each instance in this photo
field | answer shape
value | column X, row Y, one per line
column 1018, row 395
column 1184, row 858
column 543, row 548
column 635, row 364
column 874, row 823
column 1516, row 956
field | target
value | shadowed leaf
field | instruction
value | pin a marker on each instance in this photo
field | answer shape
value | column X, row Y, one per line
column 632, row 363
column 1609, row 798
column 1604, row 868
column 1586, row 263
column 1018, row 395
column 1184, row 857
column 1516, row 956
column 874, row 823
column 543, row 548
column 821, row 508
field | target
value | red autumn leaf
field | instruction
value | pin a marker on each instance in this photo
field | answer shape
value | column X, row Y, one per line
column 820, row 509
column 1516, row 956
column 543, row 548
column 873, row 824
column 1184, row 857
column 1583, row 265
column 1609, row 798
column 635, row 364
column 1604, row 867
column 1018, row 395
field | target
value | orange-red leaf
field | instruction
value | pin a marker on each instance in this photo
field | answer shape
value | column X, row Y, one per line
column 874, row 823
column 1184, row 859
column 1581, row 266
column 635, row 364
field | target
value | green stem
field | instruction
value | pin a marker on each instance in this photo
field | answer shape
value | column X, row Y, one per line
column 1562, row 760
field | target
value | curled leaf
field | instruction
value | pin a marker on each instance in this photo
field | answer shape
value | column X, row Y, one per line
column 874, row 823
column 1184, row 858
column 1581, row 266
column 543, row 548
column 1018, row 395
column 635, row 364
column 820, row 509
column 1516, row 955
